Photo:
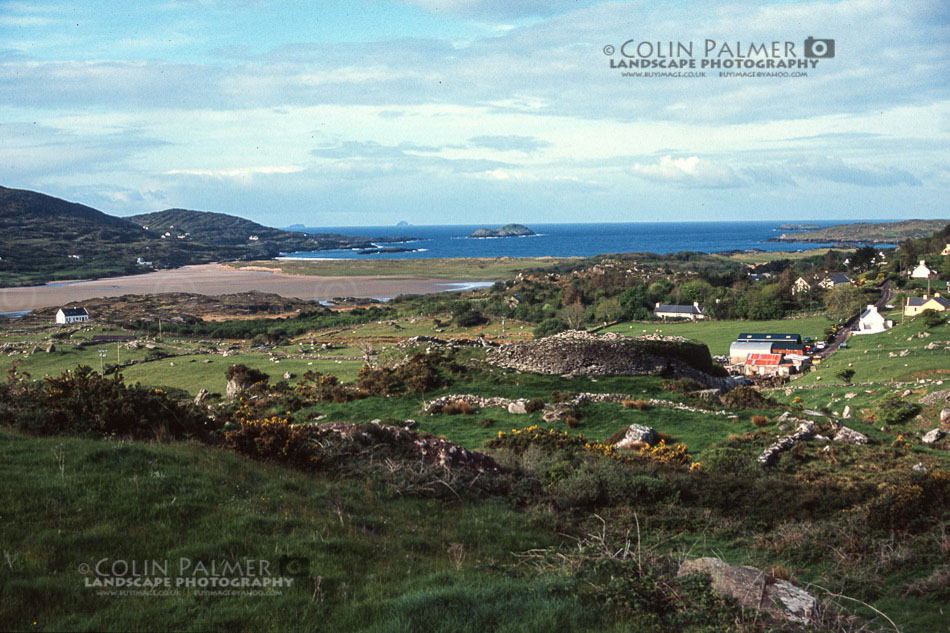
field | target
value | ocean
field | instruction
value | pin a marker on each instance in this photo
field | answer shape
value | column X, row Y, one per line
column 569, row 240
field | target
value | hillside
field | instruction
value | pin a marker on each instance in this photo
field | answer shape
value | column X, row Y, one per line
column 50, row 239
column 868, row 233
column 227, row 230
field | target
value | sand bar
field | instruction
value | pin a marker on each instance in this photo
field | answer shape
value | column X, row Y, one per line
column 214, row 279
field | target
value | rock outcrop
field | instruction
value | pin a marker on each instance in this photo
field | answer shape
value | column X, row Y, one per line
column 850, row 436
column 755, row 589
column 804, row 431
column 933, row 436
column 637, row 435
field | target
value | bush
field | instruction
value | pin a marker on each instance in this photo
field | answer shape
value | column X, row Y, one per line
column 244, row 375
column 933, row 319
column 893, row 410
column 534, row 405
column 845, row 375
column 760, row 420
column 83, row 402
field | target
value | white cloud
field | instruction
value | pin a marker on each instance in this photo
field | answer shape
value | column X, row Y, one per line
column 691, row 171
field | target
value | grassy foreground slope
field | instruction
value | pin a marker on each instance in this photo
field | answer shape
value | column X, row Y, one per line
column 383, row 562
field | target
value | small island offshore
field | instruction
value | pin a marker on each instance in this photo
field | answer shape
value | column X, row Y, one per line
column 509, row 230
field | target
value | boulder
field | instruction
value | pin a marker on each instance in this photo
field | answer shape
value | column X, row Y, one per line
column 919, row 467
column 50, row 348
column 201, row 397
column 933, row 436
column 846, row 413
column 553, row 415
column 755, row 589
column 850, row 436
column 944, row 416
column 804, row 431
column 288, row 375
column 637, row 434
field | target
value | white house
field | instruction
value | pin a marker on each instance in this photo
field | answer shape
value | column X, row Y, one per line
column 71, row 315
column 801, row 285
column 921, row 272
column 694, row 312
column 872, row 322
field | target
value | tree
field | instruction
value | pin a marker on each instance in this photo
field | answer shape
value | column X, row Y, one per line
column 608, row 309
column 846, row 375
column 842, row 302
column 573, row 315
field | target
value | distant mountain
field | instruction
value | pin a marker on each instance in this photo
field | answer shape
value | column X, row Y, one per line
column 868, row 233
column 509, row 230
column 48, row 239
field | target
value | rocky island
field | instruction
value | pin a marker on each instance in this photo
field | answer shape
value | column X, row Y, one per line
column 509, row 230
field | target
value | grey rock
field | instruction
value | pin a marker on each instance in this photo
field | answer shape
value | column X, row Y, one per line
column 637, row 433
column 945, row 415
column 933, row 436
column 919, row 468
column 846, row 413
column 850, row 436
column 50, row 348
column 755, row 589
column 201, row 397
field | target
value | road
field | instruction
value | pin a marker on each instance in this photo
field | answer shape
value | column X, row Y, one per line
column 887, row 293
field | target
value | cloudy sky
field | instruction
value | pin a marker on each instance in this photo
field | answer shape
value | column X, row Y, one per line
column 368, row 112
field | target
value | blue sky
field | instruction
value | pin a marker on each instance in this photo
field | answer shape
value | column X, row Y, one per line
column 368, row 112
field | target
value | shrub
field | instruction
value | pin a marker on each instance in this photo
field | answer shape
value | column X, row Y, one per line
column 845, row 375
column 485, row 423
column 933, row 319
column 745, row 397
column 639, row 404
column 893, row 410
column 534, row 405
column 84, row 402
column 244, row 375
column 760, row 420
column 457, row 407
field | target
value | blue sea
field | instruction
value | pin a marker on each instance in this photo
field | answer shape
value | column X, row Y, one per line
column 568, row 240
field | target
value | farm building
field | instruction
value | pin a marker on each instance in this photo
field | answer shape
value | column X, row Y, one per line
column 766, row 365
column 740, row 350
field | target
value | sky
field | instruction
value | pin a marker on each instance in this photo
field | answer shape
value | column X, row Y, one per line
column 371, row 112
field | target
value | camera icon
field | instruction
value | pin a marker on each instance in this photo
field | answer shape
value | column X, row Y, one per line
column 294, row 566
column 819, row 48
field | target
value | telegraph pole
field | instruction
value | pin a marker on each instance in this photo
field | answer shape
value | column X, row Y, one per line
column 102, row 354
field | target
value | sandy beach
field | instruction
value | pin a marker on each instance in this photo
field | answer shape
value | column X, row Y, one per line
column 215, row 279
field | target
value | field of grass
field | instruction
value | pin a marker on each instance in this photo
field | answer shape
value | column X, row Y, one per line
column 718, row 335
column 454, row 269
column 765, row 257
column 363, row 571
column 869, row 356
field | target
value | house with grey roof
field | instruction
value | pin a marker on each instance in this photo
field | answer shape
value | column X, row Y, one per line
column 694, row 312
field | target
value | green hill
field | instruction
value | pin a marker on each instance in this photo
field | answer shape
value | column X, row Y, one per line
column 868, row 233
column 49, row 239
column 221, row 229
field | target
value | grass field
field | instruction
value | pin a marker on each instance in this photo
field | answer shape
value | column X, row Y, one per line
column 718, row 335
column 137, row 502
column 454, row 269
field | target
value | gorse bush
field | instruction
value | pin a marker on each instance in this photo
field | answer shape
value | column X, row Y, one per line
column 421, row 373
column 83, row 402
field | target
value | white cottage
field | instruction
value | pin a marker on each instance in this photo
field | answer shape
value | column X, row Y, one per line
column 922, row 271
column 71, row 315
column 872, row 322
